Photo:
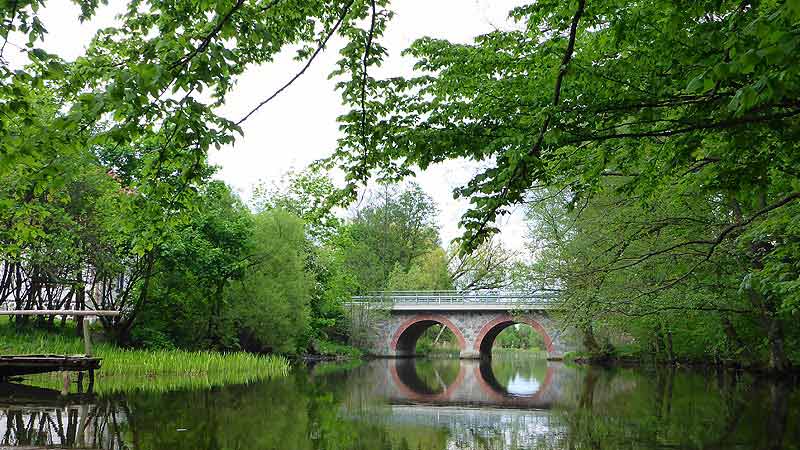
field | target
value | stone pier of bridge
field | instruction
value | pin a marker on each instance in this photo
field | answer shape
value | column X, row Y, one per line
column 473, row 320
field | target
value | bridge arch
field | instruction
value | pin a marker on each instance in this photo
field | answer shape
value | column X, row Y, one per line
column 405, row 338
column 499, row 393
column 489, row 332
column 408, row 383
column 475, row 384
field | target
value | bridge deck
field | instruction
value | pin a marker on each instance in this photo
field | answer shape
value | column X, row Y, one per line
column 457, row 301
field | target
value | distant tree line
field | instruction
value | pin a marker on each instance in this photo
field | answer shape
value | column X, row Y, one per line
column 216, row 273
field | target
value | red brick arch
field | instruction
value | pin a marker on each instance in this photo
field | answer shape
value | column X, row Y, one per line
column 462, row 343
column 506, row 320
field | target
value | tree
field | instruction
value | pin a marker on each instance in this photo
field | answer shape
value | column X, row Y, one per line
column 428, row 272
column 698, row 98
column 608, row 259
column 193, row 270
column 309, row 195
column 145, row 96
column 269, row 307
column 137, row 114
column 390, row 233
column 487, row 267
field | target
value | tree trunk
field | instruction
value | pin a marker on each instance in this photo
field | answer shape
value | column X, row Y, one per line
column 80, row 303
column 773, row 328
column 670, row 352
column 777, row 355
column 733, row 337
column 589, row 340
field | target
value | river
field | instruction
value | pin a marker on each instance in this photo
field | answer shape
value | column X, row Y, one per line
column 515, row 402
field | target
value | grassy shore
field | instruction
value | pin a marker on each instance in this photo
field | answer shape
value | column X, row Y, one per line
column 163, row 368
column 528, row 352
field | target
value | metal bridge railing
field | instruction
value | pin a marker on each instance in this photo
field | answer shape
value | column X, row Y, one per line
column 456, row 297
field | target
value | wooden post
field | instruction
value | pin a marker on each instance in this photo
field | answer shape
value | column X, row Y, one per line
column 65, row 389
column 87, row 338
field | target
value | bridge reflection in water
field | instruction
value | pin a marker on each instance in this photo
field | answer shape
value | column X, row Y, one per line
column 471, row 398
column 532, row 384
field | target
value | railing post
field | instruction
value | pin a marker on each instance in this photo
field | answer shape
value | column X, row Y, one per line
column 87, row 338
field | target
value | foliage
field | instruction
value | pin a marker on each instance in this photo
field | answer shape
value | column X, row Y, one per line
column 388, row 234
column 270, row 305
column 437, row 340
column 487, row 267
column 608, row 259
column 151, row 84
column 120, row 365
column 193, row 269
column 428, row 272
column 103, row 159
column 329, row 348
column 519, row 336
column 308, row 195
column 655, row 143
column 578, row 91
column 682, row 115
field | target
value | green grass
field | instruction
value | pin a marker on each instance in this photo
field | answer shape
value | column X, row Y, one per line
column 528, row 352
column 329, row 348
column 327, row 368
column 123, row 369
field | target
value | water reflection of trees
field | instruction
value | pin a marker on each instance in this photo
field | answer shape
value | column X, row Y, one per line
column 600, row 408
column 668, row 408
column 429, row 376
column 616, row 408
column 84, row 424
column 506, row 367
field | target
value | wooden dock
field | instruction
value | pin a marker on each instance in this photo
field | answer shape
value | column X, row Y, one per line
column 17, row 365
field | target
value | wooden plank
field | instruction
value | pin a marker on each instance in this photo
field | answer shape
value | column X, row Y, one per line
column 58, row 312
column 32, row 364
column 46, row 448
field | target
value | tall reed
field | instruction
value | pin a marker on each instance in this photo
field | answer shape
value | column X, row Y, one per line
column 121, row 366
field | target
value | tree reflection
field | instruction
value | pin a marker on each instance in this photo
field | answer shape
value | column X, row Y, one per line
column 586, row 407
column 670, row 408
column 36, row 417
column 428, row 376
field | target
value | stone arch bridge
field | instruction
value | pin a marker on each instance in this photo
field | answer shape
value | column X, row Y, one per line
column 396, row 320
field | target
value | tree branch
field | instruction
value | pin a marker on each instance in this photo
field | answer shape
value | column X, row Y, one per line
column 211, row 35
column 536, row 148
column 313, row 56
column 675, row 131
column 713, row 243
column 364, row 76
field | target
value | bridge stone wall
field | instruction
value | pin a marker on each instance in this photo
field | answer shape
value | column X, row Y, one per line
column 393, row 334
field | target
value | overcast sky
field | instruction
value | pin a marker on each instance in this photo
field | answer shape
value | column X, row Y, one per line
column 299, row 126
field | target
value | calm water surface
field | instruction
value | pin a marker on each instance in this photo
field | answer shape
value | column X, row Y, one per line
column 514, row 402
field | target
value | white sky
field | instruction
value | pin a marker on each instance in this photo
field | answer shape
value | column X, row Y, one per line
column 299, row 126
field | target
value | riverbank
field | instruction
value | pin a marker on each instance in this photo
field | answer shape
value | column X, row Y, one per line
column 324, row 350
column 206, row 367
column 634, row 359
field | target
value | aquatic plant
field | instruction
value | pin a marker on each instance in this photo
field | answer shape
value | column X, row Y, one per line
column 122, row 368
